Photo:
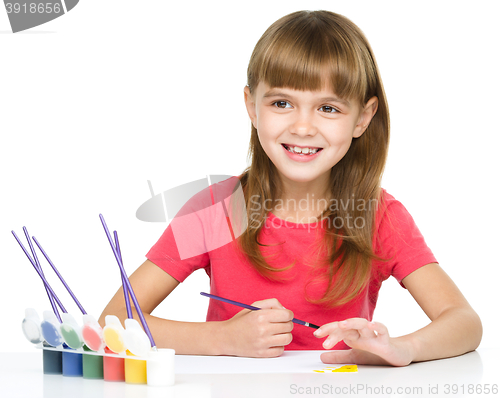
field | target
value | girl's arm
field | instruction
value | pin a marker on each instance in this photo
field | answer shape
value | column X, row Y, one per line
column 455, row 327
column 249, row 333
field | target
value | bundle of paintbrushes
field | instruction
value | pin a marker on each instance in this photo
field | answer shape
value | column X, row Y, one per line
column 112, row 353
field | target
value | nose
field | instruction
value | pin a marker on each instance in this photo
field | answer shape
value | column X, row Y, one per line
column 303, row 125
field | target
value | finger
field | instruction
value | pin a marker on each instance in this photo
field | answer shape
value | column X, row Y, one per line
column 279, row 328
column 270, row 322
column 330, row 342
column 353, row 323
column 326, row 329
column 274, row 346
column 333, row 339
column 366, row 333
column 351, row 335
column 337, row 356
column 268, row 303
column 361, row 325
column 379, row 328
column 348, row 336
column 281, row 340
column 333, row 332
column 272, row 352
column 352, row 356
column 275, row 315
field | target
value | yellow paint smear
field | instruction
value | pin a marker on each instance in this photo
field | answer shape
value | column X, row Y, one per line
column 114, row 340
column 347, row 368
column 342, row 369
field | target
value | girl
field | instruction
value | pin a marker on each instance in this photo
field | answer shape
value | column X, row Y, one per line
column 312, row 231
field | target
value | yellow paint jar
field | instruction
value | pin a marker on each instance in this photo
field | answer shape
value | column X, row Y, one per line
column 135, row 370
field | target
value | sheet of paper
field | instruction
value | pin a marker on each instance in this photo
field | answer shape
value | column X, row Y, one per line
column 288, row 362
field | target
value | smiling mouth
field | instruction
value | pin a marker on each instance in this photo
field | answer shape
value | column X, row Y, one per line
column 306, row 151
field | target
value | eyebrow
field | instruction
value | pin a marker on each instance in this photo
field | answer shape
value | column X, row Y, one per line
column 275, row 93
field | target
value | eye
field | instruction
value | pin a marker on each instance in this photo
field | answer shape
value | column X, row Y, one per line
column 328, row 109
column 281, row 104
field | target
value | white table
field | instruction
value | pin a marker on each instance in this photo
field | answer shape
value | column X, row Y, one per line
column 21, row 376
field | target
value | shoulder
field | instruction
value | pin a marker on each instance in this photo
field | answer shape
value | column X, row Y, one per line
column 391, row 212
column 201, row 194
column 386, row 200
column 394, row 225
column 224, row 186
column 397, row 237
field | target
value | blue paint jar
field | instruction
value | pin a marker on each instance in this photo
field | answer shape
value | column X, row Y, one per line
column 72, row 362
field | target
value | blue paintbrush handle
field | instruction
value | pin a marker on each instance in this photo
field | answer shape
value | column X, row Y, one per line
column 59, row 275
column 251, row 307
column 127, row 282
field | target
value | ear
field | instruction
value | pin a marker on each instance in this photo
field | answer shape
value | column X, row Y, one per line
column 250, row 104
column 365, row 117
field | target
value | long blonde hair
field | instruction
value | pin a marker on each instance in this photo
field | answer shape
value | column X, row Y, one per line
column 297, row 52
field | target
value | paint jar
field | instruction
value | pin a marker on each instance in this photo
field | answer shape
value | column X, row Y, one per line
column 135, row 339
column 52, row 361
column 161, row 370
column 72, row 362
column 113, row 334
column 113, row 368
column 92, row 333
column 32, row 328
column 51, row 329
column 135, row 370
column 71, row 331
column 92, row 365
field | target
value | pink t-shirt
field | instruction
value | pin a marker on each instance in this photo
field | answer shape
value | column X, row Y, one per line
column 232, row 276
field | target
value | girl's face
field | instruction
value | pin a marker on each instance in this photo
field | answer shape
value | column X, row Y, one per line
column 305, row 133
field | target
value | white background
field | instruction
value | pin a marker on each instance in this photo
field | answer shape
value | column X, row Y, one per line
column 115, row 93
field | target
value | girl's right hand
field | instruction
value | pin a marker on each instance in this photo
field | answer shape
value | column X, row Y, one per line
column 259, row 334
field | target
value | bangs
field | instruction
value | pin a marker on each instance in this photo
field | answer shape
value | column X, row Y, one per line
column 309, row 53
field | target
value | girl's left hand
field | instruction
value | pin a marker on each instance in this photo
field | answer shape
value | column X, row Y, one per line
column 370, row 343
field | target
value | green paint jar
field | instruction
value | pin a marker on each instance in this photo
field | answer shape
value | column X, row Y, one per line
column 92, row 365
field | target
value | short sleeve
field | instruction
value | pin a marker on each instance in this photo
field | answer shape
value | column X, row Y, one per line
column 399, row 241
column 166, row 256
column 203, row 224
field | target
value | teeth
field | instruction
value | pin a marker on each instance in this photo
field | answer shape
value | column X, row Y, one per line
column 304, row 151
